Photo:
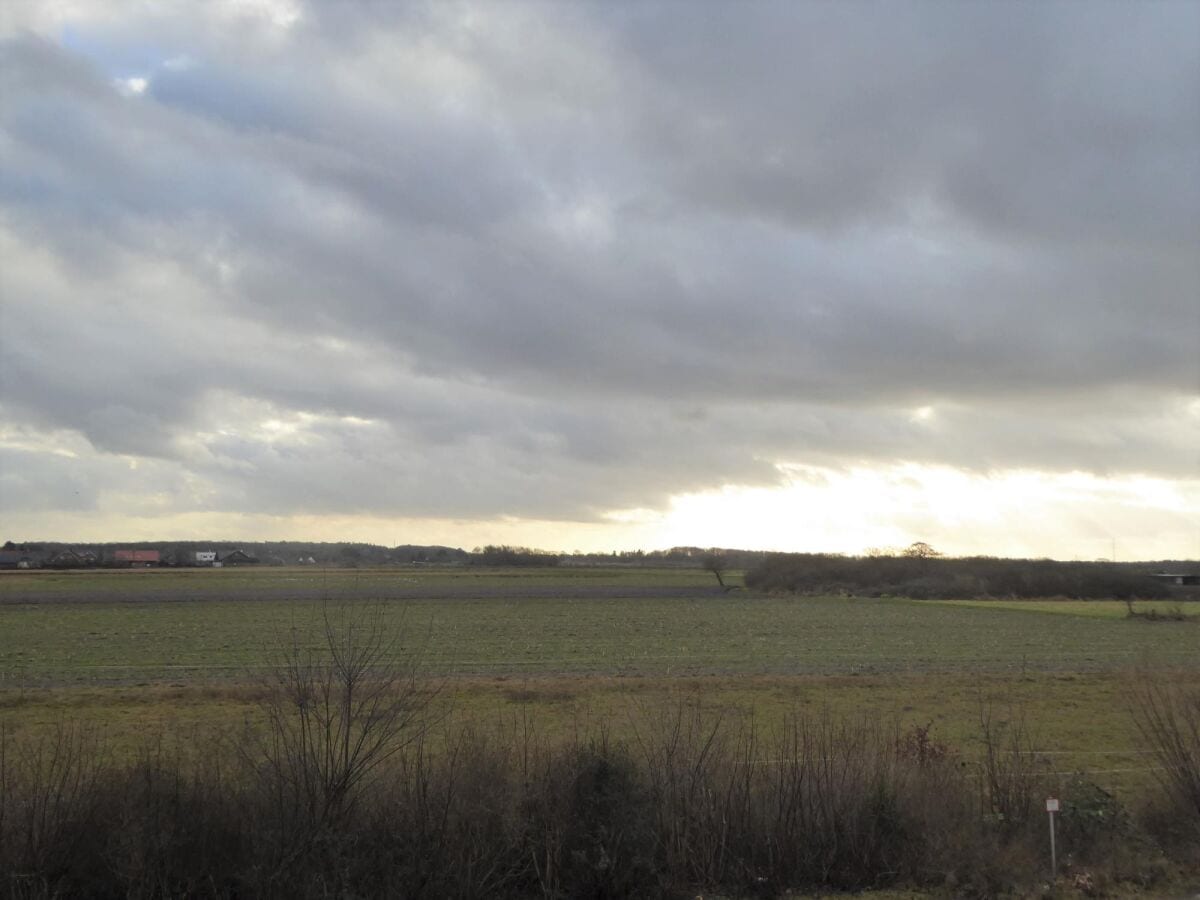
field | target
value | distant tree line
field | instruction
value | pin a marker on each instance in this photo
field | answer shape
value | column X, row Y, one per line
column 346, row 554
column 324, row 553
column 922, row 573
column 504, row 555
column 918, row 570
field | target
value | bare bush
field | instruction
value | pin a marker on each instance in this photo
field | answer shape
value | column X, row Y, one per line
column 50, row 790
column 590, row 823
column 682, row 752
column 922, row 573
column 335, row 712
column 346, row 790
column 447, row 821
column 1013, row 775
column 816, row 800
column 1168, row 717
column 173, row 825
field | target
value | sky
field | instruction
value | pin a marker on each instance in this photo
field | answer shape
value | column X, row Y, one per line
column 777, row 275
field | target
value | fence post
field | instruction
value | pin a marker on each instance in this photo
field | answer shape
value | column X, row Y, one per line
column 1051, row 809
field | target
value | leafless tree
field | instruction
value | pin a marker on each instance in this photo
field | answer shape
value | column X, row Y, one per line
column 718, row 564
column 1168, row 717
column 920, row 550
column 336, row 709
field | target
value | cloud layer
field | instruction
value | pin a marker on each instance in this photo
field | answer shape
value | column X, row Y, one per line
column 550, row 260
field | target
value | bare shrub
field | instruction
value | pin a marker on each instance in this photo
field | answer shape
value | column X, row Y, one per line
column 173, row 825
column 815, row 801
column 847, row 809
column 1173, row 614
column 49, row 809
column 444, row 822
column 590, row 823
column 700, row 800
column 1168, row 718
column 684, row 752
column 922, row 573
column 1013, row 776
column 918, row 745
column 335, row 713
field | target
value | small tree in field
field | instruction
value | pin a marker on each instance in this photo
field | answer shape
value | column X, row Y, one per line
column 718, row 564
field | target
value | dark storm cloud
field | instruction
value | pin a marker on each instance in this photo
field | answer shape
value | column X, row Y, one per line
column 550, row 260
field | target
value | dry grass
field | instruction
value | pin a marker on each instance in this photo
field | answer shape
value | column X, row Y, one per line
column 692, row 800
column 1076, row 717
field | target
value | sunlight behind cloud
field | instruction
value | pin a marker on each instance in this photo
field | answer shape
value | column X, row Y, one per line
column 1016, row 512
column 131, row 87
column 546, row 270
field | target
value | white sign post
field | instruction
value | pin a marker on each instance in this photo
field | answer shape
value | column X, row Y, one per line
column 1051, row 809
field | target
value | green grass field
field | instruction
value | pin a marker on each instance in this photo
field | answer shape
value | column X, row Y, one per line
column 253, row 582
column 178, row 649
column 1100, row 609
column 114, row 627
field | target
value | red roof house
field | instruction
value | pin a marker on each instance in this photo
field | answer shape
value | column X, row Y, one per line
column 136, row 557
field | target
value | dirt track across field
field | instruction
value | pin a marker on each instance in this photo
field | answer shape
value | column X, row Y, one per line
column 366, row 592
column 165, row 586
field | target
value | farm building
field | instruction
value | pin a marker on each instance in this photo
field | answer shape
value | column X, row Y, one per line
column 15, row 559
column 238, row 558
column 205, row 557
column 1190, row 578
column 67, row 559
column 136, row 558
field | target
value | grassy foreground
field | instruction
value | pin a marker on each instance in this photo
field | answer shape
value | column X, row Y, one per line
column 593, row 662
column 181, row 650
column 1078, row 722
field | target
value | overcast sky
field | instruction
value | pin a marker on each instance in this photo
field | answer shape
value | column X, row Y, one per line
column 799, row 276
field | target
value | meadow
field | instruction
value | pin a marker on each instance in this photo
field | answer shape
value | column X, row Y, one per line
column 184, row 648
column 128, row 627
column 586, row 669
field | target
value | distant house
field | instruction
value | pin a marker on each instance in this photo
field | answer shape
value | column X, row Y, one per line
column 66, row 559
column 1177, row 577
column 205, row 557
column 238, row 558
column 137, row 558
column 15, row 559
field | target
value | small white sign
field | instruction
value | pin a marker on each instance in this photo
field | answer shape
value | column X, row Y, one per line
column 1051, row 804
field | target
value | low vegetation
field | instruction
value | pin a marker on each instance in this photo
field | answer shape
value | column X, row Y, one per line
column 358, row 782
column 1169, row 721
column 572, row 732
column 505, row 555
column 184, row 626
column 924, row 574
